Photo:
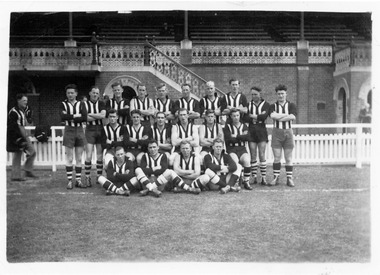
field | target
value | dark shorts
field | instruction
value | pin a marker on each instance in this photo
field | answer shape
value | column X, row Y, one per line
column 258, row 133
column 282, row 138
column 206, row 149
column 94, row 134
column 238, row 150
column 133, row 151
column 74, row 137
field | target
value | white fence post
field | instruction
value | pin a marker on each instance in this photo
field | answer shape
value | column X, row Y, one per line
column 359, row 130
column 54, row 149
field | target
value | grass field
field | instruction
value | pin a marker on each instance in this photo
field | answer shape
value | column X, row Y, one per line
column 324, row 219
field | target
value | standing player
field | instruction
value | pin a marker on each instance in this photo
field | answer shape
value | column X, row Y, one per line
column 236, row 135
column 226, row 169
column 163, row 103
column 73, row 113
column 188, row 103
column 119, row 103
column 120, row 175
column 144, row 104
column 234, row 100
column 258, row 111
column 211, row 102
column 18, row 140
column 138, row 137
column 96, row 112
column 161, row 132
column 283, row 112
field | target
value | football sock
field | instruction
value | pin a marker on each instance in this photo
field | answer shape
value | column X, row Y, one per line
column 87, row 168
column 99, row 167
column 254, row 168
column 247, row 173
column 276, row 169
column 78, row 173
column 289, row 171
column 233, row 180
column 263, row 169
column 69, row 172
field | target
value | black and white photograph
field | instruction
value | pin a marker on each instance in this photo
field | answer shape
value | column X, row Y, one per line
column 199, row 137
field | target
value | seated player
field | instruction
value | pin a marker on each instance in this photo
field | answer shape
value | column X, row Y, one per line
column 138, row 137
column 236, row 135
column 187, row 166
column 153, row 172
column 161, row 132
column 225, row 168
column 120, row 175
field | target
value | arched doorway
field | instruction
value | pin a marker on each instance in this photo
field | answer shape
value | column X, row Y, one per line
column 128, row 83
column 369, row 98
column 342, row 107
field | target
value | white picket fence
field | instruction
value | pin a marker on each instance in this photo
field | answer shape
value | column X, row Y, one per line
column 353, row 147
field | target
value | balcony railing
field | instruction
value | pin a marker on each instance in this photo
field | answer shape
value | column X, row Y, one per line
column 355, row 55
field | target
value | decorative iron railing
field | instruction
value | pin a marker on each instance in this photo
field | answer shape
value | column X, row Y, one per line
column 175, row 71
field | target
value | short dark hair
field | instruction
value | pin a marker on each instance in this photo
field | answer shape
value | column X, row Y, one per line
column 151, row 141
column 117, row 83
column 159, row 112
column 186, row 84
column 217, row 140
column 118, row 148
column 281, row 87
column 209, row 111
column 135, row 111
column 256, row 88
column 234, row 110
column 19, row 96
column 183, row 109
column 71, row 86
column 112, row 111
column 234, row 79
column 140, row 85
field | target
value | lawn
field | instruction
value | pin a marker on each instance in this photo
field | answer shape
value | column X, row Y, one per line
column 324, row 219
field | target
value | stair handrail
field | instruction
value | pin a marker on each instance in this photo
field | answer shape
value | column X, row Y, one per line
column 147, row 43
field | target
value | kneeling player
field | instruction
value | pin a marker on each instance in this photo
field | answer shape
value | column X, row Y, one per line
column 236, row 135
column 222, row 169
column 120, row 175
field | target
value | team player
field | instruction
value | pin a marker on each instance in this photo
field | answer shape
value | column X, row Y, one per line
column 96, row 112
column 184, row 130
column 188, row 103
column 144, row 104
column 226, row 169
column 121, row 179
column 138, row 137
column 236, row 135
column 114, row 134
column 163, row 103
column 187, row 166
column 161, row 132
column 119, row 103
column 153, row 172
column 208, row 132
column 283, row 113
column 258, row 111
column 73, row 113
column 18, row 141
column 211, row 102
column 234, row 100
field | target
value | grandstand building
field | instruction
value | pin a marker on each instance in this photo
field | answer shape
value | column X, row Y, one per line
column 323, row 58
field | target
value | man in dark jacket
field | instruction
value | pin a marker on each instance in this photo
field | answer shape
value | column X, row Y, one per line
column 17, row 140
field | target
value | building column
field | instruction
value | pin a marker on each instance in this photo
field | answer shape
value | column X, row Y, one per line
column 303, row 72
column 186, row 44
